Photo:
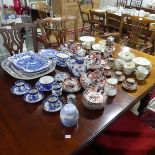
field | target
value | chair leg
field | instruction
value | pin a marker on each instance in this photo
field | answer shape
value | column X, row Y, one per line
column 82, row 28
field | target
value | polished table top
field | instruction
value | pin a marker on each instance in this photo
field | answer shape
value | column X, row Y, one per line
column 28, row 130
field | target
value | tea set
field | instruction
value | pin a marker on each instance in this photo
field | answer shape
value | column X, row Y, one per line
column 97, row 72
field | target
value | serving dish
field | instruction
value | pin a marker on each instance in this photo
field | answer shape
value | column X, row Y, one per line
column 6, row 65
column 29, row 62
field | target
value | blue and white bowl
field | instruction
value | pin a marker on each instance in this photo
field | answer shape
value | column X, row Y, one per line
column 62, row 59
column 45, row 83
column 20, row 87
column 52, row 104
column 61, row 76
column 33, row 95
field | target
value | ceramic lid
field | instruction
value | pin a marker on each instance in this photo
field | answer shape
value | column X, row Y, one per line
column 112, row 81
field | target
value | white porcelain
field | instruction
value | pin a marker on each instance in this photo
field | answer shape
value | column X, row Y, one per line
column 87, row 39
column 141, row 72
column 111, row 87
column 99, row 47
column 119, row 63
column 141, row 61
column 119, row 75
column 126, row 56
column 129, row 67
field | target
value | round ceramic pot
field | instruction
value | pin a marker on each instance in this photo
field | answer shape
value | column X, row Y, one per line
column 69, row 115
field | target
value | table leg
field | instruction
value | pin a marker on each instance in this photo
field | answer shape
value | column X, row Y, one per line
column 143, row 103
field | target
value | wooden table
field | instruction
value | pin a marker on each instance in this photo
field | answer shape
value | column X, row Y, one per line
column 26, row 129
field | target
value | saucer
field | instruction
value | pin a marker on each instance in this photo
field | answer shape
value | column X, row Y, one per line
column 40, row 97
column 16, row 92
column 41, row 87
column 61, row 76
column 52, row 108
column 132, row 87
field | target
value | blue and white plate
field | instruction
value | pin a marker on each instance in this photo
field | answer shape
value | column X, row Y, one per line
column 61, row 76
column 52, row 107
column 42, row 88
column 28, row 99
column 29, row 62
column 16, row 91
column 48, row 53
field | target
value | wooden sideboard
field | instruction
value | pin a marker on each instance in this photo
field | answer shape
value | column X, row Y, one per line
column 69, row 7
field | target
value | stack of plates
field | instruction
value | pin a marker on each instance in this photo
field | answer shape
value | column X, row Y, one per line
column 27, row 65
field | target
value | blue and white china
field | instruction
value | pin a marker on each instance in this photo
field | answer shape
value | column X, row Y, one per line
column 29, row 62
column 62, row 59
column 61, row 76
column 57, row 89
column 20, row 87
column 45, row 83
column 71, row 98
column 69, row 115
column 71, row 62
column 33, row 95
column 79, row 67
column 52, row 104
column 48, row 53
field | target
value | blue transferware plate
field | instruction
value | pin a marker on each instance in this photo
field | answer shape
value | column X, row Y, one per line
column 52, row 107
column 27, row 97
column 15, row 91
column 29, row 62
column 41, row 87
column 61, row 76
column 48, row 53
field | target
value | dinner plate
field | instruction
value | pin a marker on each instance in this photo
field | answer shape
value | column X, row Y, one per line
column 87, row 39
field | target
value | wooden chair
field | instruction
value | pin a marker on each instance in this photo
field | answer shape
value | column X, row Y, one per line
column 97, row 21
column 84, row 7
column 114, row 24
column 122, row 3
column 139, row 33
column 44, row 10
column 136, row 3
column 14, row 37
column 53, row 31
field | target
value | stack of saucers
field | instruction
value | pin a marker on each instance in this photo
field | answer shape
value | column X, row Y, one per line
column 94, row 99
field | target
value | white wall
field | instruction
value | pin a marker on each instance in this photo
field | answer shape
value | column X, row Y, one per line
column 113, row 2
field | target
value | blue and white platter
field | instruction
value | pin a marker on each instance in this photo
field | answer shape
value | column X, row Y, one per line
column 15, row 90
column 27, row 98
column 7, row 66
column 61, row 76
column 41, row 87
column 52, row 108
column 48, row 53
column 29, row 62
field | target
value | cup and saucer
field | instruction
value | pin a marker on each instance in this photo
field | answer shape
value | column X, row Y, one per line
column 33, row 95
column 20, row 87
column 45, row 83
column 57, row 89
column 52, row 104
column 129, row 84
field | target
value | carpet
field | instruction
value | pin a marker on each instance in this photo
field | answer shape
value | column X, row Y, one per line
column 128, row 135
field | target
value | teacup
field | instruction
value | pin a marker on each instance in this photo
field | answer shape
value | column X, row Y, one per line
column 62, row 58
column 33, row 94
column 20, row 84
column 52, row 99
column 141, row 72
column 71, row 98
column 46, row 82
column 130, row 83
column 129, row 67
column 56, row 89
